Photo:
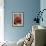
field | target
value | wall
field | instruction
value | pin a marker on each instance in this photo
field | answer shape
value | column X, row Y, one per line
column 29, row 7
column 1, row 20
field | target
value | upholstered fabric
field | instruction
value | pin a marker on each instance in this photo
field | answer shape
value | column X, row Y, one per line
column 20, row 42
column 26, row 41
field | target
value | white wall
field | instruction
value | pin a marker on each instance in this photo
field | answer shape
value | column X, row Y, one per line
column 1, row 20
column 43, row 4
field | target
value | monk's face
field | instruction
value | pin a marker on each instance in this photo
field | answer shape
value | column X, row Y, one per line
column 17, row 19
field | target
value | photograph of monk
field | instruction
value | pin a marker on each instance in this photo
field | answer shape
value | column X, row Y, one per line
column 18, row 19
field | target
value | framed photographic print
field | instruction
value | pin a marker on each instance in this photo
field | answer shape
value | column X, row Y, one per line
column 18, row 19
